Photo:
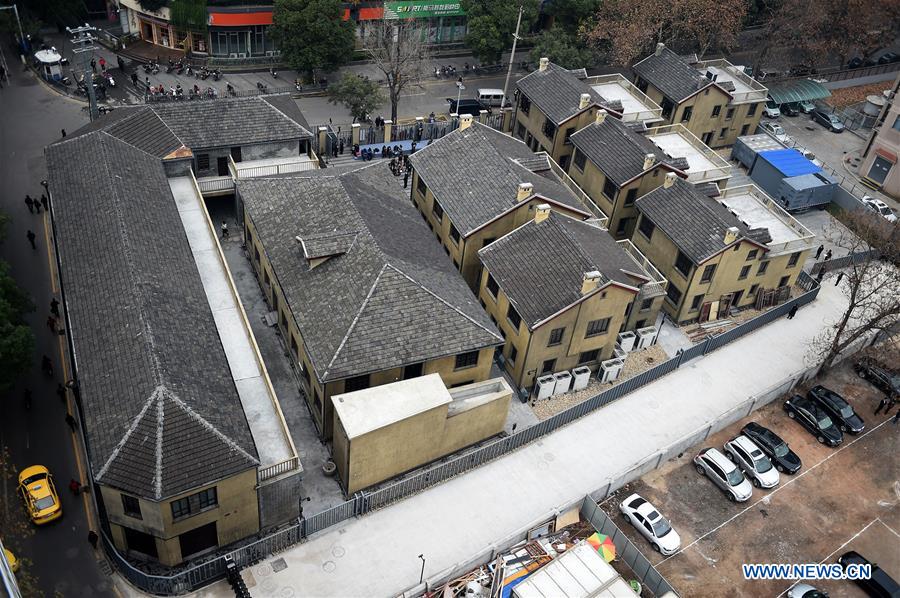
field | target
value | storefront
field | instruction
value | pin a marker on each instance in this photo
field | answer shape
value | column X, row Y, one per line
column 241, row 34
column 441, row 22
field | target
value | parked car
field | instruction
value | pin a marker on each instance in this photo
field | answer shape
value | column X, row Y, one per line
column 879, row 207
column 810, row 156
column 802, row 70
column 39, row 495
column 828, row 120
column 653, row 526
column 804, row 590
column 11, row 559
column 879, row 584
column 855, row 63
column 771, row 109
column 465, row 106
column 776, row 131
column 815, row 419
column 789, row 109
column 724, row 474
column 806, row 107
column 888, row 58
column 878, row 374
column 776, row 449
column 838, row 408
column 752, row 461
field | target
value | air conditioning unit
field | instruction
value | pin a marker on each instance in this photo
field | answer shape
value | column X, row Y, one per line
column 242, row 55
column 563, row 383
column 646, row 336
column 626, row 340
column 618, row 351
column 270, row 53
column 232, row 55
column 610, row 369
column 581, row 376
column 543, row 387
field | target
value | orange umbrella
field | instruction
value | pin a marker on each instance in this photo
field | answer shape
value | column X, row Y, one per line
column 604, row 545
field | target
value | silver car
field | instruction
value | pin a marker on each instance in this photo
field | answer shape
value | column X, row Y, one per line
column 724, row 474
column 752, row 461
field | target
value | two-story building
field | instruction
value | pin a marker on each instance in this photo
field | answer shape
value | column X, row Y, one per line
column 714, row 99
column 477, row 184
column 560, row 289
column 879, row 165
column 739, row 250
column 361, row 292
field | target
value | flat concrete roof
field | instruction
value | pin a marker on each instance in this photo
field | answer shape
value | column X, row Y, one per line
column 678, row 146
column 749, row 210
column 265, row 424
column 364, row 411
column 726, row 75
column 615, row 91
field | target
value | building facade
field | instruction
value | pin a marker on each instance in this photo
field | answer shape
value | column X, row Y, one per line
column 879, row 165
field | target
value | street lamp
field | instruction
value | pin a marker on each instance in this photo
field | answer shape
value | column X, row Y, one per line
column 422, row 574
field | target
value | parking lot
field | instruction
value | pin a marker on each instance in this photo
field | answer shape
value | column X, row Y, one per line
column 841, row 499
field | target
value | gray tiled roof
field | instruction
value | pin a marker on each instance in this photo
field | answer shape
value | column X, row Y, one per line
column 540, row 266
column 556, row 91
column 617, row 150
column 671, row 74
column 154, row 379
column 695, row 222
column 145, row 131
column 392, row 300
column 316, row 246
column 475, row 175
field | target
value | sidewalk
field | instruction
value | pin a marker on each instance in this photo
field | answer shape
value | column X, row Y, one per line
column 377, row 555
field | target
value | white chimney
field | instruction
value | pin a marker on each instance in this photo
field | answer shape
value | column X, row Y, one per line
column 465, row 121
column 524, row 191
column 590, row 282
column 649, row 159
column 542, row 212
column 670, row 180
column 601, row 116
column 659, row 49
column 730, row 235
column 544, row 63
column 584, row 101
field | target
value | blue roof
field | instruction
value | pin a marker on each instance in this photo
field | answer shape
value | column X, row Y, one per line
column 789, row 162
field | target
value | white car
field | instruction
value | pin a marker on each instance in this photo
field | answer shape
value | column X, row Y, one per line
column 776, row 131
column 651, row 524
column 752, row 461
column 724, row 474
column 804, row 590
column 876, row 205
column 771, row 109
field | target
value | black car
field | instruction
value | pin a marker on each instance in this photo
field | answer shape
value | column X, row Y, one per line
column 838, row 408
column 876, row 373
column 465, row 106
column 855, row 63
column 814, row 418
column 776, row 449
column 888, row 58
column 828, row 120
column 789, row 110
column 879, row 585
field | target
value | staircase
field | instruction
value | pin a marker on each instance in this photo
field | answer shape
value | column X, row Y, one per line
column 233, row 575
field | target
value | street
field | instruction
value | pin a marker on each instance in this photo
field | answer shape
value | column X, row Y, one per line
column 63, row 562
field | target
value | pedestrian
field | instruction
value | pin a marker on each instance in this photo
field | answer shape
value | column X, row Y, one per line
column 70, row 421
column 134, row 78
column 827, row 255
column 341, row 147
column 792, row 312
column 74, row 486
column 94, row 66
column 819, row 251
column 224, row 230
column 51, row 324
column 891, row 402
column 31, row 236
column 45, row 202
column 29, row 203
column 47, row 365
column 896, row 418
column 54, row 307
column 121, row 63
column 63, row 133
column 405, row 178
column 840, row 277
column 61, row 392
column 820, row 275
column 881, row 405
column 102, row 64
column 93, row 538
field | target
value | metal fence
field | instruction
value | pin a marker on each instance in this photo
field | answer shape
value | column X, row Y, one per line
column 626, row 551
column 365, row 502
column 839, row 74
column 843, row 262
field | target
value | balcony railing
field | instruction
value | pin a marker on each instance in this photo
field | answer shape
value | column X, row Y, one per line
column 657, row 284
column 212, row 184
column 720, row 169
column 299, row 165
column 805, row 237
column 653, row 111
column 572, row 186
column 757, row 92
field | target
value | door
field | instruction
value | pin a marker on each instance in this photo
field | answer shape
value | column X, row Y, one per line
column 198, row 540
column 236, row 154
column 140, row 542
column 879, row 170
column 704, row 312
column 222, row 165
column 725, row 304
column 736, row 299
column 707, row 137
column 412, row 371
column 147, row 31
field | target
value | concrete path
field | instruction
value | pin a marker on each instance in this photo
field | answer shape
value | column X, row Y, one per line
column 377, row 555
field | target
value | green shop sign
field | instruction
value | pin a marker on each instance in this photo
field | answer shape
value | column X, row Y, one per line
column 421, row 9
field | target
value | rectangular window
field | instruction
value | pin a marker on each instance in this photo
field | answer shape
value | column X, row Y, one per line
column 356, row 383
column 630, row 197
column 752, row 255
column 569, row 133
column 466, row 360
column 207, row 498
column 556, row 336
column 454, row 234
column 488, row 241
column 673, row 294
column 513, row 354
column 623, row 224
column 513, row 316
column 549, row 129
column 752, row 109
column 548, row 366
column 784, row 281
column 745, row 271
column 579, row 160
column 695, row 304
column 609, row 189
column 202, row 161
column 131, row 506
column 708, row 273
column 588, row 356
column 729, row 114
column 722, row 132
column 438, row 211
column 492, row 286
column 763, row 266
column 744, row 130
column 795, row 257
column 524, row 103
column 683, row 264
column 420, row 186
column 753, row 289
column 181, row 508
column 646, row 227
column 597, row 327
column 717, row 110
column 686, row 115
column 667, row 107
column 646, row 304
column 520, row 131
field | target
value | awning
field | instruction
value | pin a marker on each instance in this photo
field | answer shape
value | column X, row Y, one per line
column 799, row 90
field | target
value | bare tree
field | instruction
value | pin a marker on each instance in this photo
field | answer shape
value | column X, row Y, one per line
column 871, row 285
column 398, row 48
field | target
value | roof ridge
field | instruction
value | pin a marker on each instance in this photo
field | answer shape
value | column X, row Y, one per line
column 562, row 227
column 207, row 425
column 134, row 423
column 166, row 125
column 278, row 110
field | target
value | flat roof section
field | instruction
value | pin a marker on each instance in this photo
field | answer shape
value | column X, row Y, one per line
column 749, row 210
column 266, row 425
column 726, row 75
column 631, row 104
column 678, row 146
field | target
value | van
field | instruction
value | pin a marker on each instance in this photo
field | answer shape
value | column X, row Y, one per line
column 465, row 106
column 490, row 97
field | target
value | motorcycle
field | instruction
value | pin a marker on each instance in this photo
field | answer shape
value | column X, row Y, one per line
column 211, row 93
column 273, row 72
column 229, row 89
column 217, row 74
column 204, row 73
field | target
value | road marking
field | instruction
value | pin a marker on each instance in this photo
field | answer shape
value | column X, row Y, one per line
column 53, row 286
column 892, row 530
column 767, row 497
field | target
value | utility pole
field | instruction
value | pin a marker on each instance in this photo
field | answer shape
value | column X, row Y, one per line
column 512, row 55
column 21, row 35
column 83, row 47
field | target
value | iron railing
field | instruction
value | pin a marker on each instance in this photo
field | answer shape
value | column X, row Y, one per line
column 572, row 186
column 273, row 471
column 719, row 167
column 299, row 165
column 658, row 282
column 218, row 183
column 843, row 262
column 651, row 110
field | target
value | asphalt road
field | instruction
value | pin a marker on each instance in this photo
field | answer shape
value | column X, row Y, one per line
column 64, row 563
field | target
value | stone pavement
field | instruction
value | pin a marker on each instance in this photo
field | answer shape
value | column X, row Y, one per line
column 377, row 555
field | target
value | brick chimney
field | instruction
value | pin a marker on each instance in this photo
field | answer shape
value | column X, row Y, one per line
column 649, row 159
column 731, row 233
column 541, row 212
column 584, row 101
column 601, row 116
column 590, row 282
column 670, row 180
column 524, row 191
column 659, row 49
column 465, row 121
column 544, row 64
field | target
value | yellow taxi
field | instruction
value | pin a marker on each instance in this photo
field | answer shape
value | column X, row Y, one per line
column 39, row 493
column 11, row 559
